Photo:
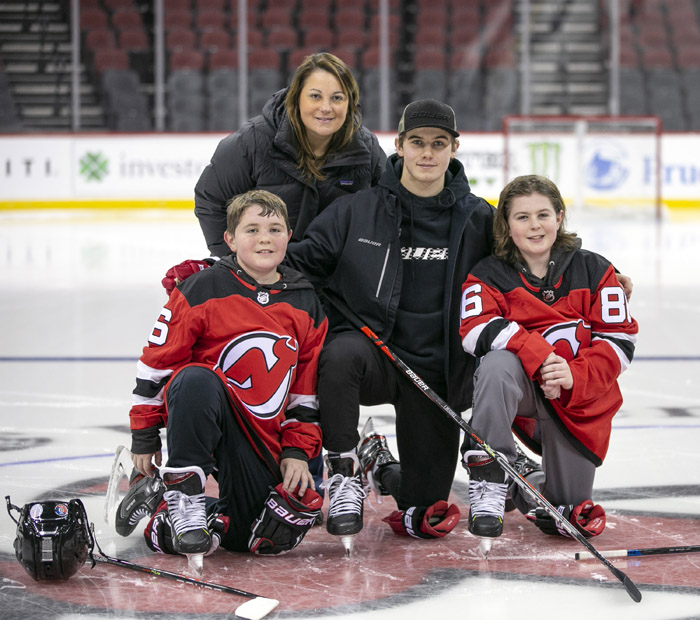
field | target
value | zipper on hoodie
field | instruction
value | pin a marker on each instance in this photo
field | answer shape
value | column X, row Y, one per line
column 381, row 276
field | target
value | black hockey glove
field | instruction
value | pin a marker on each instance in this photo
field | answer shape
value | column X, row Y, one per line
column 434, row 521
column 588, row 518
column 284, row 521
column 159, row 531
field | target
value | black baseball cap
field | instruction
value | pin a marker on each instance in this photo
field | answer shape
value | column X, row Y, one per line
column 428, row 113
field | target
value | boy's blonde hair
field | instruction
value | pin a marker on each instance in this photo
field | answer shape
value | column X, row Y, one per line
column 269, row 204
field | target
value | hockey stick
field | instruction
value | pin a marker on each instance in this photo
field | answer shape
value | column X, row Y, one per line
column 631, row 553
column 255, row 609
column 632, row 589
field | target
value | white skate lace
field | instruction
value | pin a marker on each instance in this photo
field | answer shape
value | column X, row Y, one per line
column 345, row 495
column 187, row 512
column 487, row 498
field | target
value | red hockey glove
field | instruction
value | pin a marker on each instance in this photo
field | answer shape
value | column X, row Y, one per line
column 588, row 518
column 284, row 521
column 184, row 270
column 434, row 521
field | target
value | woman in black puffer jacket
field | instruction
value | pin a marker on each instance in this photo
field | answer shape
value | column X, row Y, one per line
column 308, row 146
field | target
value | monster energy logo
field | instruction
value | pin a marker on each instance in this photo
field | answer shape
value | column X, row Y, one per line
column 545, row 159
column 93, row 166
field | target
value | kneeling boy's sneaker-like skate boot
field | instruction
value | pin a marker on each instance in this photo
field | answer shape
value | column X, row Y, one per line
column 345, row 497
column 184, row 495
column 487, row 494
column 532, row 472
column 373, row 453
column 141, row 500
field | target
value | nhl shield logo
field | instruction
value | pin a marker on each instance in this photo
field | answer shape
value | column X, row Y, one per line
column 548, row 296
column 263, row 297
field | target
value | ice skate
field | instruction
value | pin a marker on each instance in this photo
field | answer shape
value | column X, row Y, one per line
column 373, row 453
column 487, row 497
column 532, row 472
column 122, row 468
column 141, row 500
column 345, row 499
column 184, row 495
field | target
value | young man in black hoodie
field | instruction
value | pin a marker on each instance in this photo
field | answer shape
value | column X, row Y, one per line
column 397, row 255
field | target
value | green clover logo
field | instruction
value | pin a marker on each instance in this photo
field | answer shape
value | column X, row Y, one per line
column 94, row 167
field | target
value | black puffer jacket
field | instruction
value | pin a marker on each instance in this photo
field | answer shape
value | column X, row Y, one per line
column 262, row 154
column 353, row 250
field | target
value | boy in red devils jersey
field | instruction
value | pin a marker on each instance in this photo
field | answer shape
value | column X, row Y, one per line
column 552, row 327
column 230, row 370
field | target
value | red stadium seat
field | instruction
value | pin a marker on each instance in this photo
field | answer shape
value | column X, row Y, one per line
column 100, row 38
column 115, row 58
column 179, row 39
column 125, row 19
column 134, row 40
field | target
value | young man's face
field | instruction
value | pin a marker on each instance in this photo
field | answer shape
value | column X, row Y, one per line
column 426, row 152
column 260, row 243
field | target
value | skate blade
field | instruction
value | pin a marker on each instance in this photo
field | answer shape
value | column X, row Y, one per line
column 256, row 608
column 348, row 544
column 484, row 547
column 196, row 563
column 373, row 486
column 121, row 468
column 367, row 429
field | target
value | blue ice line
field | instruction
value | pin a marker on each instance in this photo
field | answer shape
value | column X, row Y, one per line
column 56, row 459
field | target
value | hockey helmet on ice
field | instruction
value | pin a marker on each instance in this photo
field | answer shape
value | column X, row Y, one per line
column 53, row 538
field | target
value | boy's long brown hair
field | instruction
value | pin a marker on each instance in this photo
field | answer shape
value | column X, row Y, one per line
column 525, row 185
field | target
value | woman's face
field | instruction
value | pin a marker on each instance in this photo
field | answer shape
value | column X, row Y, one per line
column 323, row 107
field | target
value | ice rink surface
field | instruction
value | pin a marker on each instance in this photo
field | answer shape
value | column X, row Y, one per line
column 79, row 292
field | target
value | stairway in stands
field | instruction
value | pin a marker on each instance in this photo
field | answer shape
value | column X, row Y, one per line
column 567, row 53
column 35, row 50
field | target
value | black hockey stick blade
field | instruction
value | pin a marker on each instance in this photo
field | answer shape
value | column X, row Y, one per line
column 631, row 553
column 631, row 588
column 255, row 609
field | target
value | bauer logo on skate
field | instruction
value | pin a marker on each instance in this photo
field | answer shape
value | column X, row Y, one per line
column 259, row 367
column 286, row 515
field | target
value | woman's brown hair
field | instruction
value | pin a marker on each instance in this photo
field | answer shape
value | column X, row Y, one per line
column 308, row 162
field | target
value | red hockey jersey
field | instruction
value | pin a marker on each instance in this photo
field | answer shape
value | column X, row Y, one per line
column 263, row 341
column 578, row 311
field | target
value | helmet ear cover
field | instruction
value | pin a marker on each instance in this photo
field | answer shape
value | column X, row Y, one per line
column 53, row 538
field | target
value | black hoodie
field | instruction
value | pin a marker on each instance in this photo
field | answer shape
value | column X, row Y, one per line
column 353, row 248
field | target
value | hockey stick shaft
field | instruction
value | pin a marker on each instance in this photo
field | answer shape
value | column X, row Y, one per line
column 630, row 553
column 102, row 557
column 105, row 559
column 255, row 609
column 629, row 585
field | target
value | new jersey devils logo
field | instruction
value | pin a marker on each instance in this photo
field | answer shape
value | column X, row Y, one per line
column 259, row 366
column 568, row 338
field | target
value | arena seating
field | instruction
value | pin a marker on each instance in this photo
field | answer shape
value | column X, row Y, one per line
column 660, row 61
column 463, row 51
